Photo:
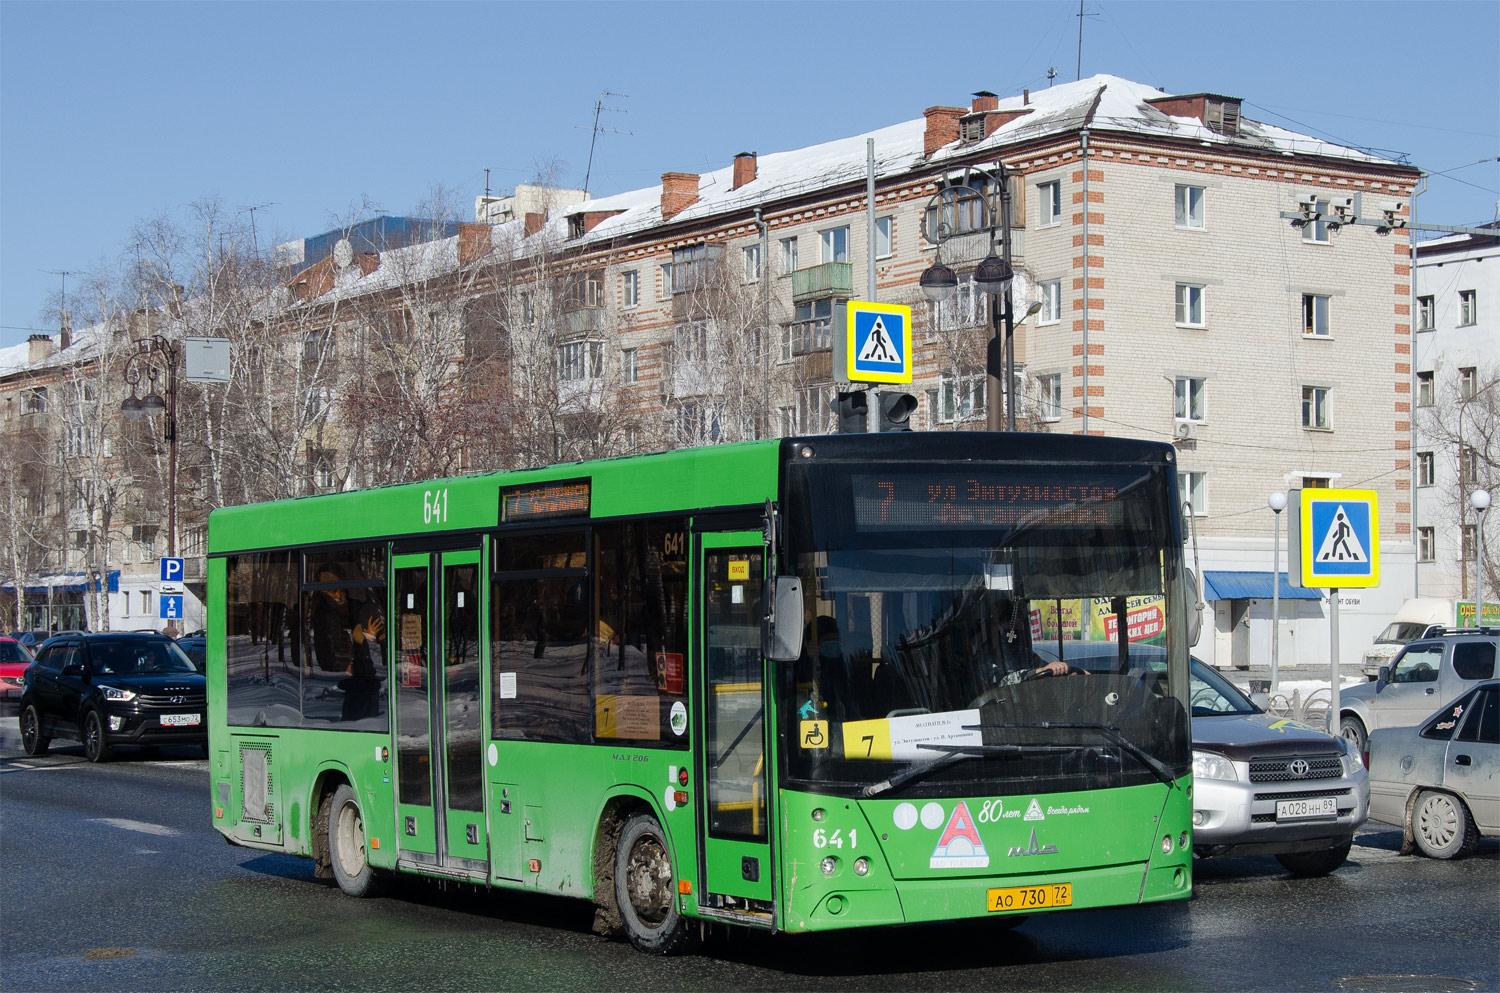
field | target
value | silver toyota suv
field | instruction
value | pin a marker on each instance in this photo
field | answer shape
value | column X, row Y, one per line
column 1426, row 674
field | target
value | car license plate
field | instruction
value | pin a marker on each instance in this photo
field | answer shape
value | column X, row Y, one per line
column 1029, row 897
column 1314, row 806
column 180, row 720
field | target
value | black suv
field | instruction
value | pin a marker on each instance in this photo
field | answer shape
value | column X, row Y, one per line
column 113, row 689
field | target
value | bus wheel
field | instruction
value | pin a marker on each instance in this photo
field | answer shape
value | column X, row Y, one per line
column 646, row 892
column 346, row 845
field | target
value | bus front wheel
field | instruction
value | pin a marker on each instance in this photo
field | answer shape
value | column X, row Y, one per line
column 346, row 845
column 646, row 891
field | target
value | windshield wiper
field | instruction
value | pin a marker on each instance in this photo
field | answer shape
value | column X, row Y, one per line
column 1113, row 734
column 954, row 755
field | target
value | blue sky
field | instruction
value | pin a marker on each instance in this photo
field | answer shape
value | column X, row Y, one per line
column 111, row 113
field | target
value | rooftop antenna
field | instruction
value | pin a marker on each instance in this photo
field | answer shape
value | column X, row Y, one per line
column 65, row 273
column 1081, row 16
column 1051, row 75
column 598, row 109
column 486, row 182
column 251, row 209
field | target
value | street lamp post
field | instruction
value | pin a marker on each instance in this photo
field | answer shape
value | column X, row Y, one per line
column 1480, row 501
column 149, row 372
column 1277, row 502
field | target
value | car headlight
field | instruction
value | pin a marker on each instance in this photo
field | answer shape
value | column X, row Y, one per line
column 1207, row 765
column 117, row 695
column 1352, row 761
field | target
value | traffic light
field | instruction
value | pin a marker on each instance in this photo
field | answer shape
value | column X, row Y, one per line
column 852, row 407
column 895, row 411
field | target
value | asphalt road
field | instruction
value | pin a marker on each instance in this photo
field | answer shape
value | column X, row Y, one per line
column 113, row 880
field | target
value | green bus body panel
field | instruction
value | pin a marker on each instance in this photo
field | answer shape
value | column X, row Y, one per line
column 724, row 475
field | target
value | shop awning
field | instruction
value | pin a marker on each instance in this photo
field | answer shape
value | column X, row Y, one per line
column 63, row 582
column 1251, row 586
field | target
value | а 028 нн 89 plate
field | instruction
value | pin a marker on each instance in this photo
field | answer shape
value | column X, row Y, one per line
column 1316, row 806
column 180, row 720
column 1029, row 897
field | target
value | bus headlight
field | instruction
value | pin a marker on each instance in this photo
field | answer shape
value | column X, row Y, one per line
column 1207, row 765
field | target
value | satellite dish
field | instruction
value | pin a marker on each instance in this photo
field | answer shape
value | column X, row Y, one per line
column 343, row 253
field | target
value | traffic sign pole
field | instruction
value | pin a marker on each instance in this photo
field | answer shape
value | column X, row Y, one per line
column 1333, row 647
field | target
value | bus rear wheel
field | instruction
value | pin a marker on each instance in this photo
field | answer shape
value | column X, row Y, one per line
column 346, row 845
column 645, row 890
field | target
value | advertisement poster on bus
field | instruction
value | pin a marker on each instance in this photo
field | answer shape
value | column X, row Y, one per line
column 1065, row 620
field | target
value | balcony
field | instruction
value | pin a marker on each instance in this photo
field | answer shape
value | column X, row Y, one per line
column 584, row 320
column 826, row 280
column 688, row 372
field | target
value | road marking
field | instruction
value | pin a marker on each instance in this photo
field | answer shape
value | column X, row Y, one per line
column 141, row 826
column 22, row 767
column 1366, row 855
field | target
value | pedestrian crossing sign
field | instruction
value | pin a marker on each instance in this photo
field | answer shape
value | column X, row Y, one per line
column 878, row 343
column 1338, row 538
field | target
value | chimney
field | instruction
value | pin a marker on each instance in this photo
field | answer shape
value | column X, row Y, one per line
column 679, row 191
column 534, row 223
column 473, row 242
column 744, row 169
column 942, row 127
column 1025, row 98
column 38, row 348
column 984, row 100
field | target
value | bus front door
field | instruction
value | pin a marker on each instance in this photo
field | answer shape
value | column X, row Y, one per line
column 734, row 810
column 439, row 724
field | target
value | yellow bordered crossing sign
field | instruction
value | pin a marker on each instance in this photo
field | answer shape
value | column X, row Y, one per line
column 1337, row 542
column 878, row 342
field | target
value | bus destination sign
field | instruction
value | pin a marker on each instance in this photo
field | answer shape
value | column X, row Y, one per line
column 972, row 500
column 544, row 501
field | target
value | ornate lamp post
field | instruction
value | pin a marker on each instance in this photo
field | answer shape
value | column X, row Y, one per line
column 151, row 372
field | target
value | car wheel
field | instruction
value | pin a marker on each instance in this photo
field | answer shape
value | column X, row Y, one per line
column 1352, row 729
column 346, row 845
column 1315, row 863
column 645, row 890
column 1442, row 826
column 32, row 739
column 95, row 744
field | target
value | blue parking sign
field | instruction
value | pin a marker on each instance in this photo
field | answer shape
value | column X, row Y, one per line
column 171, row 571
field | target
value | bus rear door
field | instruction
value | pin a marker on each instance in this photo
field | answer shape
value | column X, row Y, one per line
column 439, row 724
column 734, row 809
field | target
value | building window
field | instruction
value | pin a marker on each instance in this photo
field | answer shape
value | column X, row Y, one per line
column 814, row 410
column 1189, row 206
column 666, row 281
column 1189, row 305
column 317, row 345
column 1317, row 231
column 835, row 245
column 1051, row 396
column 1424, row 389
column 1425, row 309
column 1468, row 307
column 146, row 602
column 1189, row 400
column 630, row 370
column 1468, row 466
column 1049, row 203
column 1193, row 488
column 811, row 330
column 632, row 288
column 1050, row 294
column 579, row 360
column 1315, row 412
column 1425, row 468
column 885, row 243
column 1316, row 482
column 961, row 397
column 1426, row 544
column 1468, row 382
column 788, row 255
column 693, row 266
column 1315, row 315
column 35, row 400
column 752, row 263
column 1470, row 537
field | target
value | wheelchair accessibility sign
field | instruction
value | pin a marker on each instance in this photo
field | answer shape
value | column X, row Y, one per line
column 878, row 343
column 1338, row 538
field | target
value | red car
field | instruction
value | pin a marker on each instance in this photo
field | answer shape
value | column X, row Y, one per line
column 14, row 658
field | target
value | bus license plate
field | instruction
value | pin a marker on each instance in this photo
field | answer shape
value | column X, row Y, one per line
column 180, row 720
column 1029, row 897
column 1316, row 806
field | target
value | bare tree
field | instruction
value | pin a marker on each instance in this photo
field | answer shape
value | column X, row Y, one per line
column 1463, row 426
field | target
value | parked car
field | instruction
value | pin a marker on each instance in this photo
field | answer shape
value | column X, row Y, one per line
column 108, row 690
column 195, row 647
column 1262, row 785
column 1440, row 780
column 14, row 658
column 1418, row 617
column 31, row 639
column 1425, row 674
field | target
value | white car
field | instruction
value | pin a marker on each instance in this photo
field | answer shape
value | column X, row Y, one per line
column 1440, row 780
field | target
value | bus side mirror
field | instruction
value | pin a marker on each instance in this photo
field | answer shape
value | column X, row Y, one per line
column 1195, row 614
column 781, row 631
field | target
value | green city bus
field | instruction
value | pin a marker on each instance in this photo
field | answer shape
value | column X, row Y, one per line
column 795, row 685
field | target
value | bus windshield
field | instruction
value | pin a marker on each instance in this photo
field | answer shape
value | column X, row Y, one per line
column 990, row 627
